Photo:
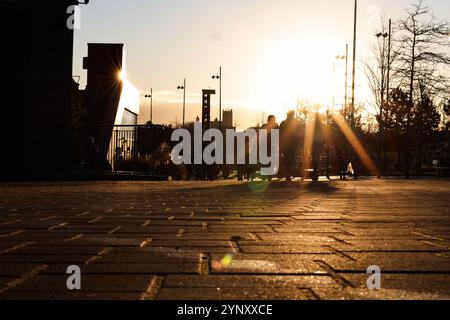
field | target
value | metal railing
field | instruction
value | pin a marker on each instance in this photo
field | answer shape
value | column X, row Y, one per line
column 138, row 149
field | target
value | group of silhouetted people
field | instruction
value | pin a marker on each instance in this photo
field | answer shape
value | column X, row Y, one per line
column 292, row 163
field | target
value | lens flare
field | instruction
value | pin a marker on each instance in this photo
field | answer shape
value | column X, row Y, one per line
column 226, row 261
column 122, row 75
column 258, row 186
column 356, row 144
column 309, row 139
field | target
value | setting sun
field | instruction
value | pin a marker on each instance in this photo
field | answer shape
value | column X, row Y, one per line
column 122, row 75
column 288, row 72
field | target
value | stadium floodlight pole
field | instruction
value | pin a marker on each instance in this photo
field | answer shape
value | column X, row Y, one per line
column 337, row 58
column 218, row 76
column 389, row 62
column 383, row 82
column 352, row 117
column 354, row 64
column 388, row 89
column 150, row 96
column 346, row 82
column 183, row 87
column 328, row 144
column 344, row 58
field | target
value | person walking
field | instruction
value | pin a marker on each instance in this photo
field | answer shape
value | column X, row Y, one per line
column 289, row 141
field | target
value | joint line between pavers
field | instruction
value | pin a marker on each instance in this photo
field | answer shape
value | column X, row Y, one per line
column 58, row 226
column 23, row 278
column 11, row 234
column 312, row 292
column 153, row 288
column 99, row 255
column 329, row 269
column 115, row 229
column 340, row 253
column 20, row 246
column 9, row 222
column 76, row 237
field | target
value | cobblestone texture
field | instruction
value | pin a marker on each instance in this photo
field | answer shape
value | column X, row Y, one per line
column 225, row 240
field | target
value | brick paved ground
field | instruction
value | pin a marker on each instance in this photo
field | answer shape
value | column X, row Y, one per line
column 168, row 240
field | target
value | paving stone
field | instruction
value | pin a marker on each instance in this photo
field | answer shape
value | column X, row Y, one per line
column 270, row 264
column 16, row 269
column 236, row 281
column 129, row 268
column 391, row 262
column 383, row 294
column 170, row 257
column 40, row 258
column 242, row 293
column 433, row 284
column 220, row 240
column 89, row 283
column 394, row 245
column 286, row 248
column 72, row 295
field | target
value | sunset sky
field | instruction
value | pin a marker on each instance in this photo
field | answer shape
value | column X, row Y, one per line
column 273, row 52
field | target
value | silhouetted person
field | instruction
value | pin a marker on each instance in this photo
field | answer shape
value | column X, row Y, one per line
column 355, row 165
column 342, row 163
column 93, row 161
column 269, row 126
column 289, row 141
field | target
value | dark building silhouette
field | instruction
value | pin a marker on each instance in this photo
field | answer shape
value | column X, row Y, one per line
column 37, row 50
column 206, row 108
column 227, row 121
column 227, row 117
column 106, row 67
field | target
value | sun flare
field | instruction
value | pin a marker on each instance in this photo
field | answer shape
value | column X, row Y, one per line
column 289, row 72
column 122, row 75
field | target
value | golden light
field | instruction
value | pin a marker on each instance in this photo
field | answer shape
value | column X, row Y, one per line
column 129, row 99
column 309, row 140
column 322, row 109
column 122, row 75
column 356, row 144
column 289, row 71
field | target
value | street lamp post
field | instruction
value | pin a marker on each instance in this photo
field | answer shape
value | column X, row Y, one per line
column 218, row 76
column 150, row 96
column 384, row 84
column 183, row 87
column 338, row 57
column 388, row 86
column 346, row 61
column 346, row 82
column 328, row 144
column 352, row 117
column 354, row 65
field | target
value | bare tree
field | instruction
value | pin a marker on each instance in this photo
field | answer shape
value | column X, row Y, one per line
column 422, row 38
column 378, row 70
column 375, row 69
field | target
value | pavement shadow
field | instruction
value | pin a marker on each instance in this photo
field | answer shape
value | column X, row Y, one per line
column 265, row 187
